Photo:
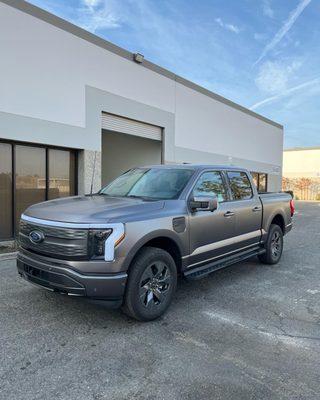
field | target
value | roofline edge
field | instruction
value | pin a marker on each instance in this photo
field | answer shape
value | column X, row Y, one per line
column 302, row 148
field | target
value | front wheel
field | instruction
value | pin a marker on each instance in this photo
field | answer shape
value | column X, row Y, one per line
column 151, row 284
column 273, row 246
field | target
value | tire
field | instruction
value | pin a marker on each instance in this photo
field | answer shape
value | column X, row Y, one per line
column 151, row 284
column 273, row 246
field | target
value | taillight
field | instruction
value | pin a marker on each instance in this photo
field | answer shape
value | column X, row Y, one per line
column 292, row 207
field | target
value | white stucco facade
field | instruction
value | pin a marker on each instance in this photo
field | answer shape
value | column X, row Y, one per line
column 55, row 84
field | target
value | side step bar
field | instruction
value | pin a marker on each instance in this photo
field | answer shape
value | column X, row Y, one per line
column 204, row 270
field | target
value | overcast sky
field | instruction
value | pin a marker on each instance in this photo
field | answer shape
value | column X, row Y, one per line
column 263, row 54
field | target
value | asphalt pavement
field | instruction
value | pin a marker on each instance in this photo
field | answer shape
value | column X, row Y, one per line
column 250, row 331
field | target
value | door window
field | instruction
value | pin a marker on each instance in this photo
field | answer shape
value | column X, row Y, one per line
column 240, row 185
column 211, row 184
column 255, row 178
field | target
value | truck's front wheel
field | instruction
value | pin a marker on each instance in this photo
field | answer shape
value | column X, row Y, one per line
column 273, row 246
column 151, row 284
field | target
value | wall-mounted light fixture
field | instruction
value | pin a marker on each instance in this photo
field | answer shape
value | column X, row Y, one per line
column 138, row 58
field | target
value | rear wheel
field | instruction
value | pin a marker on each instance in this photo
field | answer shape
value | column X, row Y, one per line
column 151, row 284
column 273, row 246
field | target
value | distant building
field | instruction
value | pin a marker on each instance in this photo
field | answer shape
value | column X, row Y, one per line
column 301, row 172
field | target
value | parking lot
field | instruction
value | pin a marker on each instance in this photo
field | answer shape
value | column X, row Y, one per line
column 247, row 332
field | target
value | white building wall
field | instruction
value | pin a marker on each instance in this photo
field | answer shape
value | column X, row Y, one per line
column 205, row 124
column 44, row 73
column 45, row 70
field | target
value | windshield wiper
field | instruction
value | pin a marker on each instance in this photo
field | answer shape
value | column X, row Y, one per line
column 133, row 196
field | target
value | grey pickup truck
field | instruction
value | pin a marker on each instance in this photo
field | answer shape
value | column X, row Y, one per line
column 128, row 243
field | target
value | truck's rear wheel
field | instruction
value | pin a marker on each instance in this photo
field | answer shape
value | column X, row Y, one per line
column 273, row 246
column 151, row 284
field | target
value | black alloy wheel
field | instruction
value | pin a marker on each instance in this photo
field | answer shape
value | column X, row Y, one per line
column 151, row 284
column 273, row 246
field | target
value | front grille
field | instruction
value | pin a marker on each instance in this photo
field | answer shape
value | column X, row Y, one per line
column 66, row 243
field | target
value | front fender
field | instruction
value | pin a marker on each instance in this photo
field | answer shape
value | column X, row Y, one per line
column 160, row 233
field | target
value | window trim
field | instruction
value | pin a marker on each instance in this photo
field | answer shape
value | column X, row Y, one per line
column 229, row 184
column 221, row 172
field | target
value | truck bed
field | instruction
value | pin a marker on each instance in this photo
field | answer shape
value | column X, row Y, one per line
column 272, row 202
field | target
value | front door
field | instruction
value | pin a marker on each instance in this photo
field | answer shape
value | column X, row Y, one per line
column 211, row 233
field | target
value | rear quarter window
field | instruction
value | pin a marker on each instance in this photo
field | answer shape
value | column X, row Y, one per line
column 240, row 185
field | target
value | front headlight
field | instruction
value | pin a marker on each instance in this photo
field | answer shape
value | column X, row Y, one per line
column 97, row 240
column 102, row 242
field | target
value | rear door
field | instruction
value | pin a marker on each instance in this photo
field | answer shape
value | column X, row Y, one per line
column 247, row 207
column 210, row 232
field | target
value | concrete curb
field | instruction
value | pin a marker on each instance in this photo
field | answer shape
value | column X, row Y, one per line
column 8, row 256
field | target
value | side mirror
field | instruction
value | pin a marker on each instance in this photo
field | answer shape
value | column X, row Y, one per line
column 203, row 203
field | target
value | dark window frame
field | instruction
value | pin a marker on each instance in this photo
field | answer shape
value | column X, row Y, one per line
column 15, row 143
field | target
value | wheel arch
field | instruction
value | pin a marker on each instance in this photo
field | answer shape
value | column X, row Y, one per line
column 162, row 239
column 278, row 219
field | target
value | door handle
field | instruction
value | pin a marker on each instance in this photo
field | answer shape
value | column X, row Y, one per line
column 256, row 209
column 228, row 214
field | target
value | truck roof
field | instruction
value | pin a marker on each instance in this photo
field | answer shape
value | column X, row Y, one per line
column 196, row 166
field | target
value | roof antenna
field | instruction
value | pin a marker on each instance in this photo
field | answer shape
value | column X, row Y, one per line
column 93, row 172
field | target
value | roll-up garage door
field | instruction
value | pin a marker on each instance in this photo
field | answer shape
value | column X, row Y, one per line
column 116, row 123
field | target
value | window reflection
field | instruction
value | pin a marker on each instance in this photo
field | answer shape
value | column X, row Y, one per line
column 211, row 184
column 5, row 191
column 61, row 173
column 30, row 178
column 240, row 185
column 260, row 181
column 255, row 177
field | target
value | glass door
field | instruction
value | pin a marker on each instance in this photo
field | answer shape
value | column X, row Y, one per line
column 30, row 174
column 30, row 178
column 61, row 173
column 5, row 191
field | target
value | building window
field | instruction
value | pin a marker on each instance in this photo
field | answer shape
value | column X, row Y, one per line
column 30, row 174
column 30, row 187
column 61, row 173
column 260, row 180
column 5, row 191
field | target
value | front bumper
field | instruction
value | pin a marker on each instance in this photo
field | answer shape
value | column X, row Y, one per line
column 59, row 278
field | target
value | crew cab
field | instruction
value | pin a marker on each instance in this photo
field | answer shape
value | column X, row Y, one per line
column 128, row 243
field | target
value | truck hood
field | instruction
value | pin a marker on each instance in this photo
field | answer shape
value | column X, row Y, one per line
column 93, row 209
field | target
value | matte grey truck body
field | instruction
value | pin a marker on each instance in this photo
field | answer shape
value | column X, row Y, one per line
column 199, row 218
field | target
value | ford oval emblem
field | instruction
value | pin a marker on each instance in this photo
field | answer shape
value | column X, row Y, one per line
column 36, row 237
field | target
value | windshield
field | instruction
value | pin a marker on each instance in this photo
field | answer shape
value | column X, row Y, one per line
column 149, row 183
